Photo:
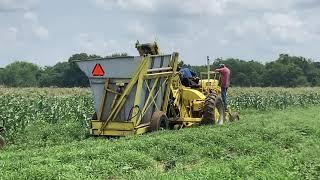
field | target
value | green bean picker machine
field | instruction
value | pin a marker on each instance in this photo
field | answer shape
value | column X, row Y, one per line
column 137, row 94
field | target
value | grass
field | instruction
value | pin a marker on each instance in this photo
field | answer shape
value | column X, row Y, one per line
column 263, row 145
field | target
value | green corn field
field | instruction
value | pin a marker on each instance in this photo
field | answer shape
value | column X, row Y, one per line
column 269, row 98
column 66, row 111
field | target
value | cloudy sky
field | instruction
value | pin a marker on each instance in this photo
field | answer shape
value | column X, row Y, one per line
column 45, row 32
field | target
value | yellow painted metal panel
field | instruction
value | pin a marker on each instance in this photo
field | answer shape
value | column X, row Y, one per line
column 188, row 119
column 142, row 125
column 134, row 116
column 142, row 130
column 125, row 126
column 174, row 64
column 151, row 93
column 115, row 110
column 157, row 75
column 103, row 100
column 197, row 105
column 122, row 132
column 111, row 132
column 192, row 94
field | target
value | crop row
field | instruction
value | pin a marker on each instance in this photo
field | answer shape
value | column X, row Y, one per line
column 269, row 98
column 53, row 115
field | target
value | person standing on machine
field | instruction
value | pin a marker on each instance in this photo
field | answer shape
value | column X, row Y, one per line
column 225, row 83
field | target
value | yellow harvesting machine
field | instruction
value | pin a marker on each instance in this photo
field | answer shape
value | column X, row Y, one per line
column 138, row 94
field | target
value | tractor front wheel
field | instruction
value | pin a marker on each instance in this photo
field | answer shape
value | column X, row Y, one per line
column 159, row 121
column 213, row 106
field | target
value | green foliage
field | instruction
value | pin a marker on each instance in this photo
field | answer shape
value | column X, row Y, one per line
column 290, row 75
column 66, row 74
column 268, row 145
column 62, row 74
column 54, row 114
column 27, row 110
column 273, row 98
column 1, row 76
column 286, row 71
column 20, row 74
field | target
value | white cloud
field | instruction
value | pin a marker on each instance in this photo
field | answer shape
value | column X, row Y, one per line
column 251, row 27
column 260, row 4
column 91, row 44
column 94, row 43
column 105, row 4
column 183, row 7
column 12, row 33
column 287, row 27
column 14, row 5
column 84, row 42
column 40, row 31
column 224, row 42
column 127, row 5
column 137, row 29
column 204, row 7
column 271, row 26
column 246, row 29
column 282, row 20
column 148, row 5
column 31, row 16
column 9, row 37
column 201, row 7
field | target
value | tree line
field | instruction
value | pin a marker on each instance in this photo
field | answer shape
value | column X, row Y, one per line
column 285, row 71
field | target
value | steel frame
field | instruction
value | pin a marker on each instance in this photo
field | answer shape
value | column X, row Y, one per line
column 112, row 127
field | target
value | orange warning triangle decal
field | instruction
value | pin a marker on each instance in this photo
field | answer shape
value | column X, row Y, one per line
column 98, row 70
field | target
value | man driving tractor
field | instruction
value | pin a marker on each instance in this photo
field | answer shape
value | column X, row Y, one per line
column 188, row 77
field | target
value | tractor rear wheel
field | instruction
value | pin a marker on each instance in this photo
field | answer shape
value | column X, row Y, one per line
column 2, row 142
column 213, row 103
column 159, row 121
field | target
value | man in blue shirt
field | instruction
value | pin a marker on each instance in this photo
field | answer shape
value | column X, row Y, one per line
column 187, row 73
column 188, row 78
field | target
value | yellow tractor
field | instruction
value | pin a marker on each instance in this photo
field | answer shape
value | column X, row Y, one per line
column 138, row 94
column 198, row 104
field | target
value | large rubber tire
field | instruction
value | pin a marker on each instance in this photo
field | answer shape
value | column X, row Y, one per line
column 234, row 116
column 159, row 121
column 2, row 142
column 212, row 102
